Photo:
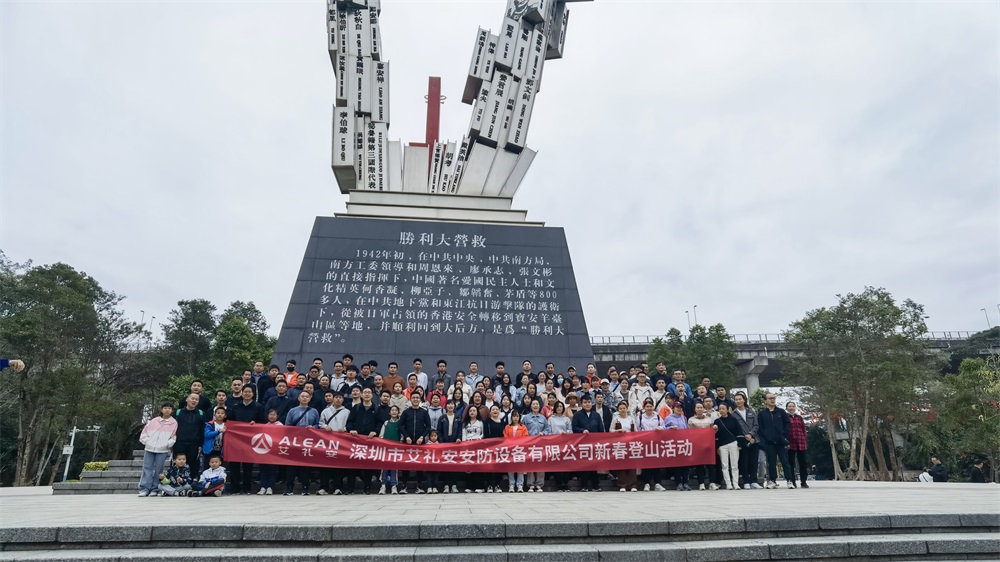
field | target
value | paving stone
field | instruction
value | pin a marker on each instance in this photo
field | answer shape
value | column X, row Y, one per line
column 28, row 534
column 854, row 522
column 966, row 543
column 373, row 532
column 887, row 545
column 756, row 524
column 912, row 520
column 552, row 553
column 268, row 533
column 628, row 528
column 707, row 526
column 714, row 551
column 105, row 533
column 95, row 555
column 201, row 533
column 402, row 554
column 980, row 519
column 632, row 552
column 453, row 530
column 818, row 547
column 460, row 554
column 545, row 529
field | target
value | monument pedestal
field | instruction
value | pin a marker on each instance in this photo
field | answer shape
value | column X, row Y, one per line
column 395, row 290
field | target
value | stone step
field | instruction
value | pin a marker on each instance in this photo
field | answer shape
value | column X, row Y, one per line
column 125, row 464
column 132, row 475
column 138, row 453
column 95, row 487
column 931, row 546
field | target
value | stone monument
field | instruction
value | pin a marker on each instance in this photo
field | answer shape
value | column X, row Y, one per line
column 430, row 259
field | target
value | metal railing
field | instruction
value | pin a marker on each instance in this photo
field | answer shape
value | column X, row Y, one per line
column 958, row 335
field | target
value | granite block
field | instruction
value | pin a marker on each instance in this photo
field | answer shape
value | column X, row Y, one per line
column 200, row 533
column 545, row 529
column 632, row 552
column 757, row 524
column 707, row 526
column 460, row 554
column 380, row 532
column 854, row 522
column 402, row 554
column 980, row 519
column 552, row 553
column 899, row 545
column 815, row 548
column 910, row 520
column 270, row 533
column 628, row 528
column 714, row 552
column 10, row 535
column 965, row 545
column 462, row 530
column 105, row 533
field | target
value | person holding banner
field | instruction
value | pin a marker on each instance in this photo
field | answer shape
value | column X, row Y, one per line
column 472, row 430
column 623, row 423
column 414, row 425
column 587, row 421
column 705, row 472
column 536, row 424
column 649, row 420
column 449, row 430
column 362, row 421
column 493, row 427
column 560, row 423
column 514, row 430
column 390, row 431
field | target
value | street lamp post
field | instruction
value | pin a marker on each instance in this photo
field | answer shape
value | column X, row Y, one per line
column 989, row 325
column 695, row 315
column 688, row 312
column 68, row 449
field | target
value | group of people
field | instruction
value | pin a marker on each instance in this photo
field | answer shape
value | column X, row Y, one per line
column 441, row 407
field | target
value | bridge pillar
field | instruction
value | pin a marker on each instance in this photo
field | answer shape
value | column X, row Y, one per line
column 751, row 371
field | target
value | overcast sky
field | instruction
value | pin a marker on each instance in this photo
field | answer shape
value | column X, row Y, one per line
column 753, row 158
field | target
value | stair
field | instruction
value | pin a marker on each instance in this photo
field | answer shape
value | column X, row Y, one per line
column 122, row 477
column 831, row 538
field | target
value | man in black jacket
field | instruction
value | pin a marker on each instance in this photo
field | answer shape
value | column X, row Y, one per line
column 587, row 421
column 939, row 472
column 363, row 421
column 282, row 402
column 773, row 427
column 414, row 426
column 190, row 432
column 204, row 404
column 248, row 411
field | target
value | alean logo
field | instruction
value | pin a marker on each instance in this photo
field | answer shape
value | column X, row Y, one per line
column 261, row 443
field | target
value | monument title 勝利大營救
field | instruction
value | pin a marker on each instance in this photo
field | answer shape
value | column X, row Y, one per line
column 430, row 259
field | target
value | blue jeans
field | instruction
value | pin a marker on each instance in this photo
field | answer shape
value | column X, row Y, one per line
column 389, row 477
column 152, row 466
column 774, row 453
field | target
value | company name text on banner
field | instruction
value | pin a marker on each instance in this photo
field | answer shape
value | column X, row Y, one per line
column 299, row 446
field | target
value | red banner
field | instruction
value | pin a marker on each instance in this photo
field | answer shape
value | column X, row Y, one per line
column 303, row 446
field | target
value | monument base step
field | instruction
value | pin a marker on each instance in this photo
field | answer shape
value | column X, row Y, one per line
column 943, row 546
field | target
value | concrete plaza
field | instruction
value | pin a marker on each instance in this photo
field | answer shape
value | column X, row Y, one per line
column 22, row 508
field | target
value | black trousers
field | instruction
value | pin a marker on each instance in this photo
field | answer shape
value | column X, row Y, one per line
column 748, row 464
column 302, row 472
column 799, row 458
column 191, row 450
column 562, row 480
column 590, row 480
column 241, row 477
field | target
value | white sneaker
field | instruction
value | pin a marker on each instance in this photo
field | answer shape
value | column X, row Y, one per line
column 701, row 486
column 479, row 490
column 499, row 489
column 659, row 488
column 381, row 491
column 539, row 489
column 756, row 486
column 791, row 485
column 511, row 490
column 489, row 489
column 337, row 492
column 261, row 491
column 634, row 489
column 622, row 490
column 468, row 491
column 645, row 488
column 322, row 492
column 419, row 491
column 403, row 491
column 520, row 489
column 143, row 493
column 770, row 485
column 445, row 490
column 270, row 491
column 713, row 486
column 394, row 491
column 454, row 489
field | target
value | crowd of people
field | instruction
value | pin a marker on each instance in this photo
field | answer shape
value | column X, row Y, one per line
column 441, row 407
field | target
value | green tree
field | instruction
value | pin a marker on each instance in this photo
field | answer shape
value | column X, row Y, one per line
column 188, row 334
column 78, row 350
column 969, row 409
column 863, row 362
column 710, row 352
